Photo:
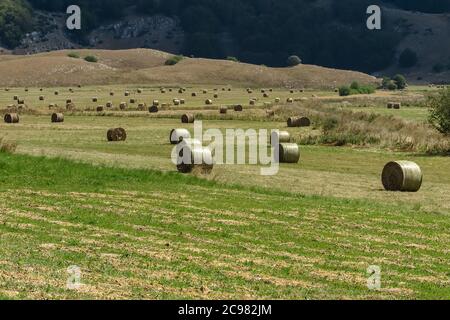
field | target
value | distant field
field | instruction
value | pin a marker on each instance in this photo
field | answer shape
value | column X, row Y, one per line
column 138, row 229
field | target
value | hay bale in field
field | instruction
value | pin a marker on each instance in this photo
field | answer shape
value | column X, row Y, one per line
column 141, row 107
column 68, row 100
column 21, row 101
column 205, row 91
column 71, row 90
column 132, row 101
column 57, row 117
column 301, row 90
column 6, row 89
column 188, row 118
column 298, row 122
column 229, row 89
column 178, row 135
column 283, row 137
column 193, row 94
column 26, row 90
column 193, row 156
column 290, row 100
column 216, row 96
column 170, row 89
column 109, row 104
column 176, row 102
column 15, row 98
column 397, row 105
column 252, row 102
column 180, row 91
column 11, row 118
column 70, row 106
column 182, row 101
column 270, row 113
column 123, row 105
column 94, row 99
column 289, row 153
column 139, row 90
column 153, row 109
column 238, row 108
column 127, row 93
column 402, row 176
column 116, row 134
column 100, row 109
column 155, row 103
column 163, row 90
column 265, row 95
column 52, row 106
column 223, row 110
column 208, row 102
column 56, row 93
column 291, row 91
column 277, row 100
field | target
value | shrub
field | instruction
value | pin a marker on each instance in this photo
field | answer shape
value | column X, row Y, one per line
column 91, row 59
column 293, row 61
column 344, row 91
column 74, row 55
column 234, row 59
column 408, row 59
column 173, row 60
column 439, row 111
column 354, row 85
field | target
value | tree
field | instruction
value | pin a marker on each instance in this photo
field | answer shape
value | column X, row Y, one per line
column 439, row 111
column 408, row 59
column 293, row 61
column 400, row 81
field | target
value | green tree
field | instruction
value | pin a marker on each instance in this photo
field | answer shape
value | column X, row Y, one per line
column 439, row 111
column 400, row 81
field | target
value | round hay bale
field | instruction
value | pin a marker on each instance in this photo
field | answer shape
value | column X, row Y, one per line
column 139, row 90
column 21, row 101
column 52, row 106
column 109, row 104
column 15, row 98
column 56, row 93
column 180, row 91
column 277, row 100
column 11, row 118
column 402, row 176
column 6, row 89
column 123, row 105
column 100, row 109
column 70, row 90
column 41, row 98
column 116, row 134
column 290, row 100
column 193, row 156
column 127, row 93
column 289, row 153
column 390, row 105
column 94, row 99
column 111, row 93
column 57, row 117
column 188, row 118
column 163, row 90
column 176, row 102
column 205, row 91
column 265, row 95
column 132, row 101
column 252, row 102
column 216, row 96
column 153, row 109
column 283, row 137
column 193, row 94
column 178, row 135
column 238, row 108
column 208, row 102
column 155, row 103
column 182, row 101
column 26, row 90
column 223, row 110
column 141, row 106
column 397, row 105
column 298, row 122
column 69, row 101
column 291, row 91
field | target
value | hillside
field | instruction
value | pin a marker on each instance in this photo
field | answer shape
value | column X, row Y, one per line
column 139, row 66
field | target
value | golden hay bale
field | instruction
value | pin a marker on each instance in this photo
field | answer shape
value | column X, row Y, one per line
column 176, row 102
column 182, row 101
column 127, row 93
column 187, row 118
column 16, row 98
column 70, row 90
column 216, row 96
column 205, row 91
column 178, row 135
column 41, row 98
column 265, row 95
column 57, row 117
column 298, row 122
column 283, row 137
column 69, row 101
column 52, row 106
column 290, row 100
column 289, row 153
column 94, row 99
column 21, row 101
column 180, row 91
column 153, row 109
column 208, row 102
column 26, row 90
column 6, row 89
column 301, row 90
column 193, row 156
column 402, row 176
column 238, row 108
column 11, row 118
column 123, row 105
column 155, row 103
column 100, row 109
column 132, row 101
column 193, row 94
column 117, row 134
column 170, row 89
column 223, row 110
column 270, row 113
column 109, row 104
column 229, row 89
column 394, row 105
column 277, row 100
column 163, row 90
column 139, row 90
column 141, row 106
column 56, row 93
column 252, row 102
column 111, row 93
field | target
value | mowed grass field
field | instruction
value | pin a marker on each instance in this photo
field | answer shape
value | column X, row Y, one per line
column 138, row 229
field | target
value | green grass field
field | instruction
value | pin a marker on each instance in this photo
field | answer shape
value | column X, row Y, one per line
column 138, row 229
